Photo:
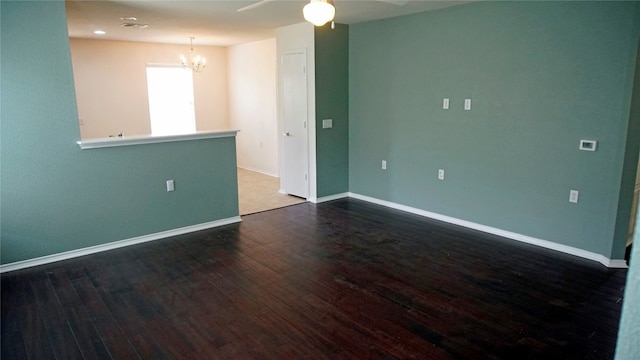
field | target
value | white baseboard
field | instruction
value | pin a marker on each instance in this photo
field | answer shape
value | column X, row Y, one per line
column 611, row 263
column 495, row 231
column 115, row 245
column 258, row 171
column 329, row 198
column 616, row 264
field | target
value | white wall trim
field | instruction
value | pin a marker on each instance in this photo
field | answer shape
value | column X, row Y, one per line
column 249, row 168
column 115, row 245
column 495, row 231
column 329, row 198
column 610, row 263
column 616, row 264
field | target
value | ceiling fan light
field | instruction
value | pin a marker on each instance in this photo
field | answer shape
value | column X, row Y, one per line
column 319, row 12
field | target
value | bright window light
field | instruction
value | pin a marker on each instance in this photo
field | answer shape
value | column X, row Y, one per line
column 171, row 100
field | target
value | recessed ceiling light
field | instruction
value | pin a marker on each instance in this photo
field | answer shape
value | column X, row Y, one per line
column 99, row 32
column 129, row 18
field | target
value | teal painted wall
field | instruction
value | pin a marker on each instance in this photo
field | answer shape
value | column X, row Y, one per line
column 332, row 102
column 630, row 156
column 628, row 345
column 541, row 76
column 56, row 197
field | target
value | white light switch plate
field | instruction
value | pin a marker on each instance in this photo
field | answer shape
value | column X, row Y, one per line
column 573, row 196
column 467, row 104
column 445, row 104
column 327, row 123
column 170, row 185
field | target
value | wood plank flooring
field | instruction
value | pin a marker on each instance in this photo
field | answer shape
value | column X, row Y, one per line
column 339, row 280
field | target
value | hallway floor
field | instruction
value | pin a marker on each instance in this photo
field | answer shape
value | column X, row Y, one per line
column 259, row 192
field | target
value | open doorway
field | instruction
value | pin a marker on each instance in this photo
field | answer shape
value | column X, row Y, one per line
column 259, row 192
column 252, row 91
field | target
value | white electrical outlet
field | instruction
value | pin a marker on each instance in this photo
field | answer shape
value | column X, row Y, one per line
column 384, row 164
column 588, row 145
column 445, row 104
column 441, row 174
column 327, row 123
column 573, row 196
column 170, row 185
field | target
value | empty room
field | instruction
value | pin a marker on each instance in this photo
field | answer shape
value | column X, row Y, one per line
column 465, row 174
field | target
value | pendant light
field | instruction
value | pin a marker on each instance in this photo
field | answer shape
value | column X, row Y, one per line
column 319, row 12
column 195, row 62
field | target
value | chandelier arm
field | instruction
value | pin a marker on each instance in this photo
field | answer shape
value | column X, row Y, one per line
column 196, row 62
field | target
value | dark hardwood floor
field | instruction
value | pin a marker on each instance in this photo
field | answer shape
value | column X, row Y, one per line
column 339, row 280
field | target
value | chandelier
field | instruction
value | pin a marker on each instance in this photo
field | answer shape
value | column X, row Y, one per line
column 319, row 12
column 194, row 62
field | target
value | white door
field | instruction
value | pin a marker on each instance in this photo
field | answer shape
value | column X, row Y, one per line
column 295, row 168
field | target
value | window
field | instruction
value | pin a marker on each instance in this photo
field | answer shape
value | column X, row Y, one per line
column 170, row 100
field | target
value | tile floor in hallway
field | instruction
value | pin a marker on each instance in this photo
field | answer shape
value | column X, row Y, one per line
column 259, row 192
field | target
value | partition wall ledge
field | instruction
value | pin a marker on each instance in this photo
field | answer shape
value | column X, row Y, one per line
column 151, row 139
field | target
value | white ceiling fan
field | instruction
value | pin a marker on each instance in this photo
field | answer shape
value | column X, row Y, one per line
column 262, row 2
column 318, row 12
column 254, row 5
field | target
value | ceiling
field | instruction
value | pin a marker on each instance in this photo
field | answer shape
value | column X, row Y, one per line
column 217, row 22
